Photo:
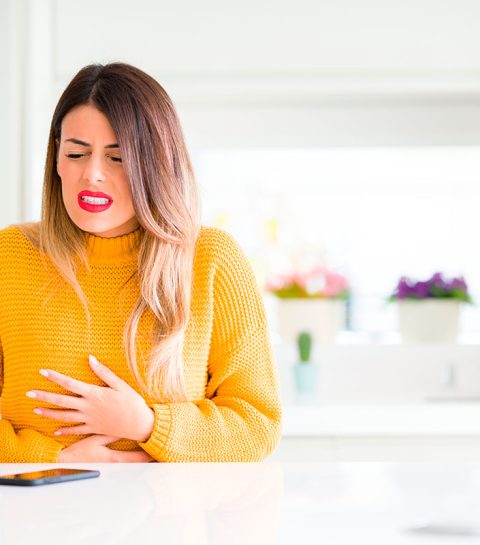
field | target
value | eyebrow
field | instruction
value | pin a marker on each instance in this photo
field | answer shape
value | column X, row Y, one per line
column 82, row 143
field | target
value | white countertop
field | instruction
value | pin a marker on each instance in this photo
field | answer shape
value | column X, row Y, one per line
column 247, row 504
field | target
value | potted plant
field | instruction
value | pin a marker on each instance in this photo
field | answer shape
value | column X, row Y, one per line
column 429, row 311
column 305, row 371
column 310, row 300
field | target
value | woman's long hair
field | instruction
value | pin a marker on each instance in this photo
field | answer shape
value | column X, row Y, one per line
column 166, row 203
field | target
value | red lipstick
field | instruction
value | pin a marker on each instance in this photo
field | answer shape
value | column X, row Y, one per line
column 94, row 201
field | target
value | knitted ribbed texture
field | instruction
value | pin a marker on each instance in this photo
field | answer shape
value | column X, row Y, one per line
column 233, row 412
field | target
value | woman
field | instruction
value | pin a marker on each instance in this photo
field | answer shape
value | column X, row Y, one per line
column 128, row 331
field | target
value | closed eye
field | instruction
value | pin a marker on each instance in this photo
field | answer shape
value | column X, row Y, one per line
column 80, row 155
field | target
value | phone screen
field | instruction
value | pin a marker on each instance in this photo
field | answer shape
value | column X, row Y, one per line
column 48, row 476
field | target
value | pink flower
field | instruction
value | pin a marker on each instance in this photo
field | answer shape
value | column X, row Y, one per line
column 315, row 282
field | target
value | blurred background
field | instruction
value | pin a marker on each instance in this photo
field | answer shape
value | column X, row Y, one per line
column 342, row 135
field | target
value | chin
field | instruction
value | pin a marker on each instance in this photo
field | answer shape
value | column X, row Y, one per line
column 93, row 226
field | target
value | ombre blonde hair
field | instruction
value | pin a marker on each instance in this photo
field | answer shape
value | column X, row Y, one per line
column 166, row 202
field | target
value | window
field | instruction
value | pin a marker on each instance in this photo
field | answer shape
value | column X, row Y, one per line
column 372, row 214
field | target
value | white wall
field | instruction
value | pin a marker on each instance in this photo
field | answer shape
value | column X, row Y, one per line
column 11, row 126
column 257, row 74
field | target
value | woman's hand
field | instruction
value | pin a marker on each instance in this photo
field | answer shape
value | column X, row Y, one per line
column 114, row 410
column 94, row 449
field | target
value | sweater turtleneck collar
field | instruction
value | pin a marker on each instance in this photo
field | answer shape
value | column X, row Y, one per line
column 114, row 250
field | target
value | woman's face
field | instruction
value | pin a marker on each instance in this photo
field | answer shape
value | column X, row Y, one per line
column 94, row 183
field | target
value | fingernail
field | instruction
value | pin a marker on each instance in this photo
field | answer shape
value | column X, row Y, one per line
column 93, row 360
column 37, row 411
column 31, row 394
column 44, row 372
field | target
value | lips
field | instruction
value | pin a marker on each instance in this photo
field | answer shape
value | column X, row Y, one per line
column 94, row 201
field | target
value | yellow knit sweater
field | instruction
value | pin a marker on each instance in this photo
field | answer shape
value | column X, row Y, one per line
column 233, row 412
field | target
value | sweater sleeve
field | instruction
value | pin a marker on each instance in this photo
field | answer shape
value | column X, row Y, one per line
column 25, row 445
column 240, row 418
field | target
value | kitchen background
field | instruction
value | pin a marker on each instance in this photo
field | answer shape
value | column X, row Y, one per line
column 343, row 134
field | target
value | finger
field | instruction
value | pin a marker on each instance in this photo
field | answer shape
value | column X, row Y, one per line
column 104, row 439
column 58, row 414
column 106, row 374
column 136, row 456
column 68, row 402
column 98, row 439
column 83, row 429
column 69, row 383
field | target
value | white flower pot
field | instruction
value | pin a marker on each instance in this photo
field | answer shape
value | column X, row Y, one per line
column 429, row 320
column 323, row 318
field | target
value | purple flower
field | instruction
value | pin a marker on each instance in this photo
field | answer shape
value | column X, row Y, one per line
column 421, row 289
column 435, row 287
column 438, row 280
column 458, row 283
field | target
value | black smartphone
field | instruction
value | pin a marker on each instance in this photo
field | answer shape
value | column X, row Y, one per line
column 48, row 476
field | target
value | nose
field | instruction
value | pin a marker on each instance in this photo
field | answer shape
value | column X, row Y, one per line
column 94, row 169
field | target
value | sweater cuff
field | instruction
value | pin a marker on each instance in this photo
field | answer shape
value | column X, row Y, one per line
column 155, row 444
column 46, row 451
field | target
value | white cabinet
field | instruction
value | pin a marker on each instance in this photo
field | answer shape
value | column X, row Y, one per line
column 443, row 432
column 384, row 403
